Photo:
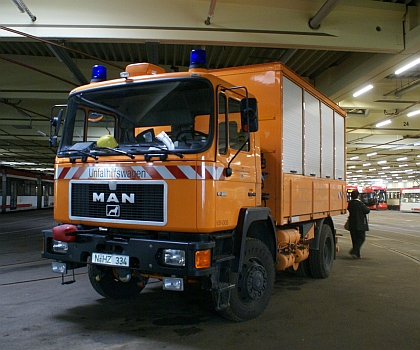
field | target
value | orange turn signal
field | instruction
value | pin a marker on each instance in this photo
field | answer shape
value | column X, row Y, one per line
column 202, row 259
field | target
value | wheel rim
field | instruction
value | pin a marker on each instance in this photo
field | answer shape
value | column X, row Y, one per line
column 253, row 281
column 327, row 252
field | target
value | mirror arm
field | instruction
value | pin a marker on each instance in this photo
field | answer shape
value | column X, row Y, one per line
column 228, row 171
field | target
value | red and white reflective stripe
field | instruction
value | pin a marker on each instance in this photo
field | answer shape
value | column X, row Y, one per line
column 171, row 172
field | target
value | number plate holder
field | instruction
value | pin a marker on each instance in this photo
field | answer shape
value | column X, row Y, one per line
column 111, row 259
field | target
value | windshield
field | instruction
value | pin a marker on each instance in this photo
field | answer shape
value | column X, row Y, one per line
column 175, row 116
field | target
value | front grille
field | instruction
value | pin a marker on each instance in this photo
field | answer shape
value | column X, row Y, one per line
column 134, row 201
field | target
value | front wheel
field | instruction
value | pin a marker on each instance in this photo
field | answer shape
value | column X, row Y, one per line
column 253, row 285
column 321, row 260
column 108, row 283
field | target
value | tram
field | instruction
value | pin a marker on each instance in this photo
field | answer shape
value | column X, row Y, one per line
column 410, row 200
column 393, row 198
column 22, row 190
column 374, row 197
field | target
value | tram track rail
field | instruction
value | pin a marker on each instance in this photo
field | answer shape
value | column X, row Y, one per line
column 396, row 251
column 21, row 266
column 41, row 279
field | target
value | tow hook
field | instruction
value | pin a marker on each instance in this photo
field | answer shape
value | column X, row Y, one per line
column 119, row 273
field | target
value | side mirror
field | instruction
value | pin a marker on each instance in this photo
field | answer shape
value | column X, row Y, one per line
column 55, row 124
column 249, row 114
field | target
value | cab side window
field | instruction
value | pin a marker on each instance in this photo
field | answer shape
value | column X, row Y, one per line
column 230, row 131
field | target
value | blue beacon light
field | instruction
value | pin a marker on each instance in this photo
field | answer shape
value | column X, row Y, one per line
column 98, row 73
column 198, row 59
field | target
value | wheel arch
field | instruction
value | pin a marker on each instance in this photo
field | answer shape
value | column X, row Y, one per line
column 314, row 244
column 254, row 223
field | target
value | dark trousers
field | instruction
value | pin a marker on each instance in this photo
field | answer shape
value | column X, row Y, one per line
column 357, row 238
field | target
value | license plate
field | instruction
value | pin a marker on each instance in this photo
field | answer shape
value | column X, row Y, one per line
column 110, row 259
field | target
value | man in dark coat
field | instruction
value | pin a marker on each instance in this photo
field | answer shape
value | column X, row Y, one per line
column 358, row 223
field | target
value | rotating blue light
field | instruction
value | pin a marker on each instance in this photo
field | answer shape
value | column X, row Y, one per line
column 98, row 73
column 198, row 59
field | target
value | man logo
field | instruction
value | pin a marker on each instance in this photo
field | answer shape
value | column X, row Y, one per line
column 113, row 210
column 112, row 198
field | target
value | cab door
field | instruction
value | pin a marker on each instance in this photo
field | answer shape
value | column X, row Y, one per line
column 237, row 152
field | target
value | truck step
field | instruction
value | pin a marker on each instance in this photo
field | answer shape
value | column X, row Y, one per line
column 222, row 295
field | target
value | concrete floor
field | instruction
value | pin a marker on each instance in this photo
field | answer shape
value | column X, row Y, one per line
column 371, row 303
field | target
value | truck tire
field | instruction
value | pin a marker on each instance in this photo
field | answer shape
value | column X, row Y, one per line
column 253, row 285
column 321, row 260
column 105, row 281
column 303, row 270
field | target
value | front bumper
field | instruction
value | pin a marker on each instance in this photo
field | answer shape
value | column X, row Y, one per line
column 145, row 254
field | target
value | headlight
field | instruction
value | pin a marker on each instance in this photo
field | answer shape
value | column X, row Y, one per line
column 174, row 257
column 60, row 247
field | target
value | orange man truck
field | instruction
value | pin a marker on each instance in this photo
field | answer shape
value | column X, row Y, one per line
column 218, row 177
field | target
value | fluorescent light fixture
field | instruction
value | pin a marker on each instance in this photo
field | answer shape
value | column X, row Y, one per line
column 354, row 158
column 401, row 159
column 382, row 162
column 408, row 66
column 402, row 165
column 359, row 171
column 366, row 164
column 353, row 166
column 362, row 91
column 372, row 169
column 386, row 167
column 371, row 154
column 385, row 122
column 413, row 113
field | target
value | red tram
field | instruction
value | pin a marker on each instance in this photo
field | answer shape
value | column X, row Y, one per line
column 374, row 197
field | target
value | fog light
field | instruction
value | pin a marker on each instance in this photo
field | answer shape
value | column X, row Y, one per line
column 173, row 283
column 59, row 267
column 60, row 247
column 174, row 257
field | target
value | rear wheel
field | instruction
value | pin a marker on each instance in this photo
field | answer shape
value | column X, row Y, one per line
column 253, row 285
column 321, row 260
column 303, row 270
column 108, row 283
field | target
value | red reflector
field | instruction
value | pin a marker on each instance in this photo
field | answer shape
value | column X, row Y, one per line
column 64, row 233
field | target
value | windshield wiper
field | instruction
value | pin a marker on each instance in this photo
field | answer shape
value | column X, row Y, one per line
column 74, row 154
column 115, row 150
column 78, row 150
